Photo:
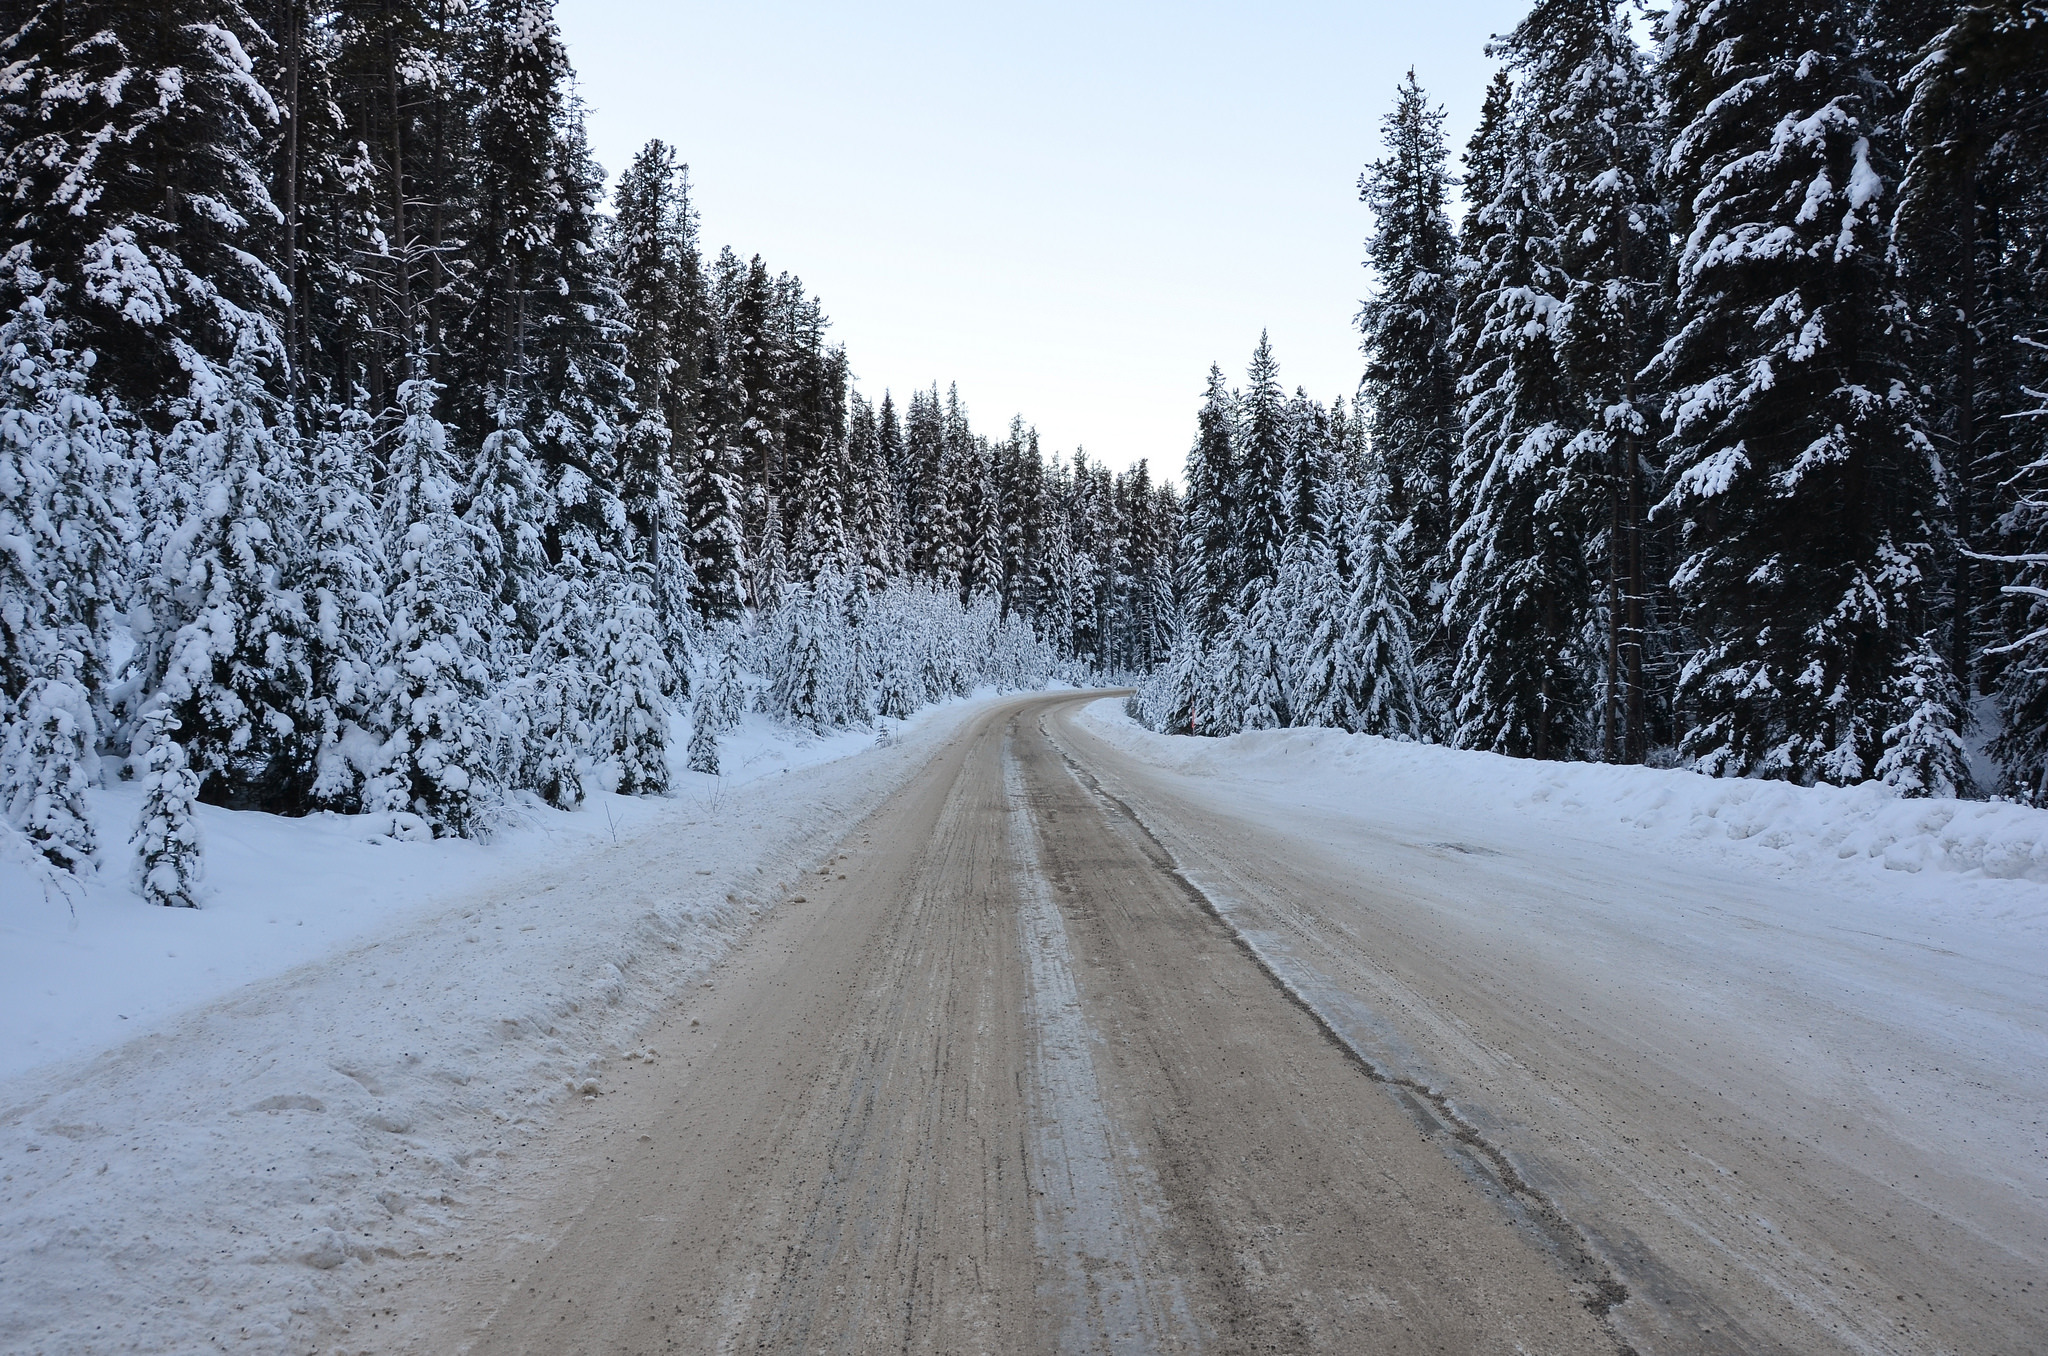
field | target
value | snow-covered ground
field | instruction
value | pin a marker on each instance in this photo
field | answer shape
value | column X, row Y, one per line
column 205, row 1115
column 1960, row 856
column 1781, row 1052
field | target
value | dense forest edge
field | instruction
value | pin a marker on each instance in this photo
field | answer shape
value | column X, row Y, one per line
column 359, row 453
column 1712, row 436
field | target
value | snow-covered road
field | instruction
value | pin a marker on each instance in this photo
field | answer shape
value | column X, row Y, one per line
column 1085, row 1038
column 1799, row 1101
column 302, row 1102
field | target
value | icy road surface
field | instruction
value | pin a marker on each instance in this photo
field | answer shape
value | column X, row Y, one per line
column 1035, row 1032
column 1067, row 1050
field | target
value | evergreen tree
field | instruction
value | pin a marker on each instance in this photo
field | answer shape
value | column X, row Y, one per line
column 720, row 704
column 341, row 578
column 65, row 482
column 229, row 653
column 1802, row 475
column 169, row 861
column 1209, row 529
column 1410, row 378
column 1374, row 687
column 1518, row 597
column 152, row 248
column 49, row 757
column 441, row 761
column 634, row 684
column 1260, row 518
column 1591, row 135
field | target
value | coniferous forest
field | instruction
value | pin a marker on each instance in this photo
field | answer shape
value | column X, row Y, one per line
column 1715, row 433
column 357, row 454
column 360, row 452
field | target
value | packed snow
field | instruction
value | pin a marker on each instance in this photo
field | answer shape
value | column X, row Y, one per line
column 1944, row 851
column 209, row 1116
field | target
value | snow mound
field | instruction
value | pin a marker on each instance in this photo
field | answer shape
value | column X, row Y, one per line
column 1770, row 824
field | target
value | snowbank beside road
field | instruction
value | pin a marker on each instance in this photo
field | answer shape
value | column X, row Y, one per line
column 1857, row 833
column 222, row 1177
column 85, row 965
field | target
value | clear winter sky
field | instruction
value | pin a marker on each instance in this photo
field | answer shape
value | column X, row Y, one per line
column 1071, row 209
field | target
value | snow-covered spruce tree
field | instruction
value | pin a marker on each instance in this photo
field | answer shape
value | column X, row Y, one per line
column 1207, row 529
column 441, row 760
column 153, row 246
column 1374, row 682
column 340, row 575
column 1309, row 601
column 872, row 514
column 66, row 506
column 795, row 654
column 1967, row 223
column 552, row 701
column 1924, row 753
column 510, row 504
column 1261, row 445
column 1804, row 483
column 169, row 861
column 1591, row 134
column 634, row 684
column 517, row 71
column 863, row 643
column 654, row 256
column 49, row 754
column 1518, row 588
column 1410, row 384
column 227, row 648
column 721, row 700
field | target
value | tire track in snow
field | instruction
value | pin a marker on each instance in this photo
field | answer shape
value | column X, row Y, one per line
column 1093, row 1198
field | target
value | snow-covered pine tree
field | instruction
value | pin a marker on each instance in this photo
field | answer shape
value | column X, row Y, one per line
column 510, row 506
column 634, row 684
column 50, row 757
column 170, row 860
column 655, row 259
column 1804, row 482
column 1592, row 135
column 1308, row 593
column 871, row 519
column 1518, row 596
column 807, row 660
column 65, row 504
column 551, row 704
column 721, row 700
column 519, row 71
column 1924, row 753
column 712, row 508
column 153, row 249
column 227, row 649
column 1410, row 385
column 1309, row 603
column 981, row 557
column 950, row 493
column 1208, row 530
column 1261, row 447
column 1374, row 683
column 1968, row 225
column 441, row 760
column 340, row 575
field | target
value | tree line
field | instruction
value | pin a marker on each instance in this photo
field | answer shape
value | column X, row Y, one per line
column 359, row 452
column 1713, row 432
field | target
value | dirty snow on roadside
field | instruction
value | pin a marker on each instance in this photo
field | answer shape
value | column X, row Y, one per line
column 212, row 1119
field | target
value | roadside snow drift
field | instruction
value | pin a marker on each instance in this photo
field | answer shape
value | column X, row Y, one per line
column 1842, row 832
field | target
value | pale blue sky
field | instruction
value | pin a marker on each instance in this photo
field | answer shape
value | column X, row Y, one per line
column 1070, row 209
